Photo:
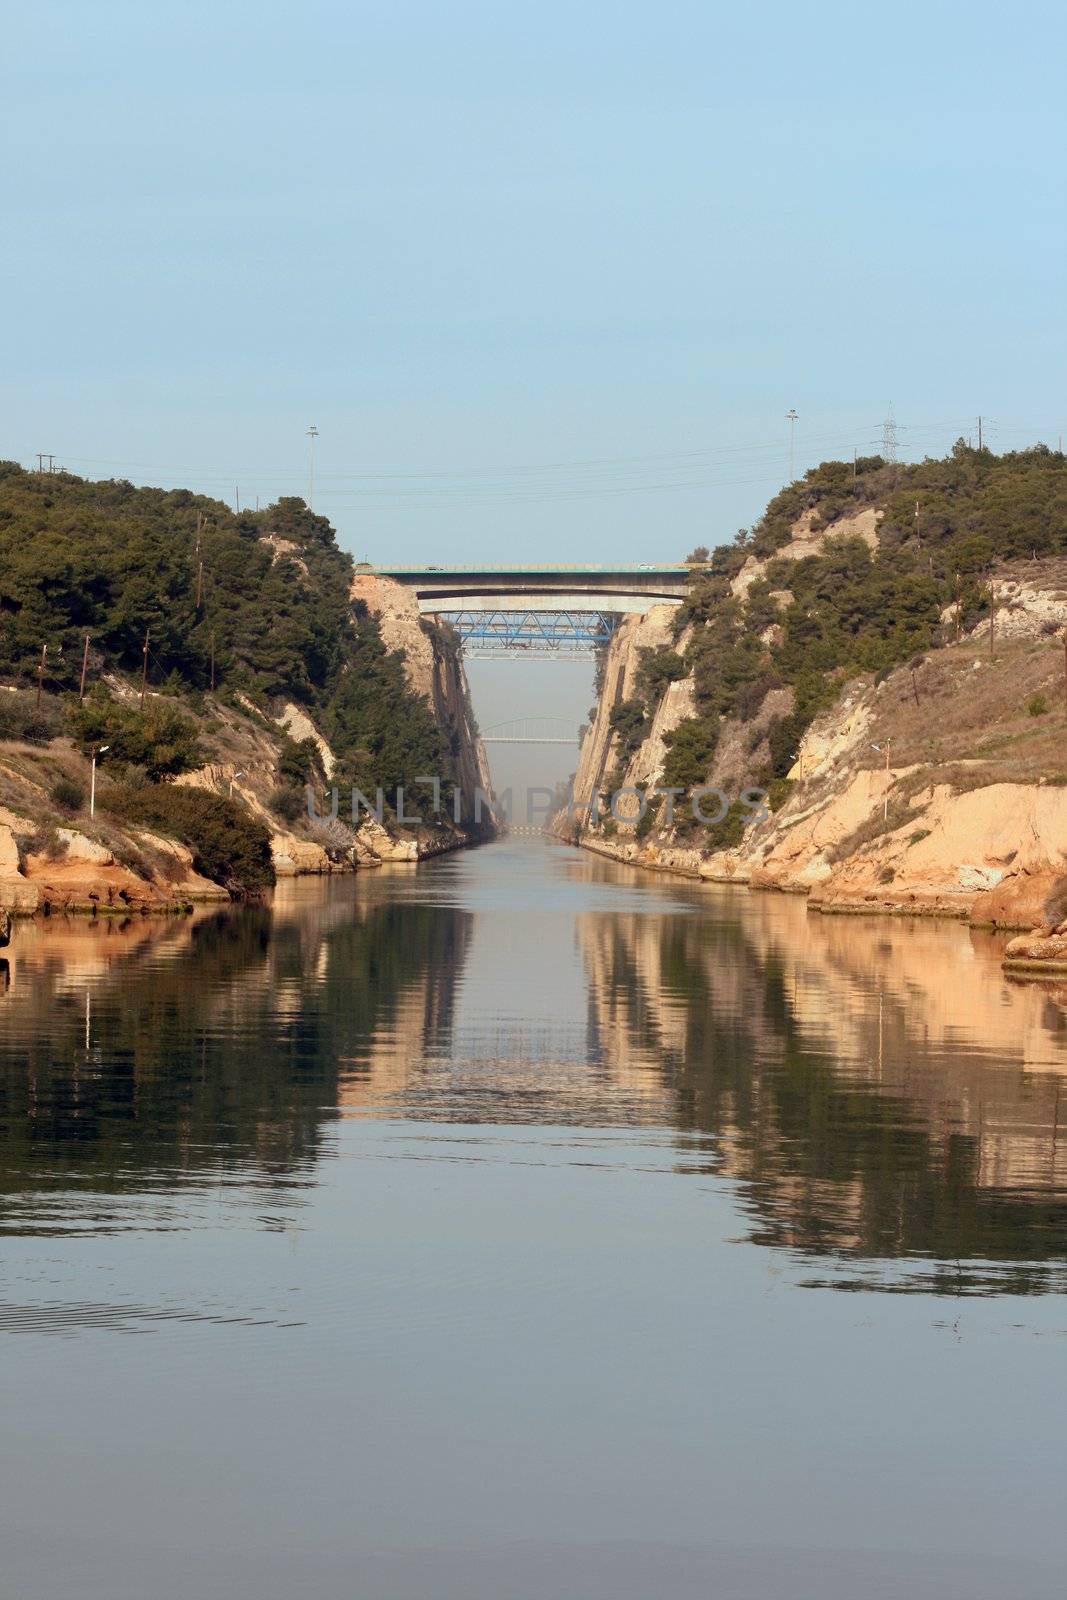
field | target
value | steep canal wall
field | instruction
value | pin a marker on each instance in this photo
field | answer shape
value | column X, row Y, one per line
column 434, row 670
column 937, row 788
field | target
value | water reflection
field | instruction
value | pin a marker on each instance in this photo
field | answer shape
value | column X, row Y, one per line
column 161, row 1059
column 878, row 1089
column 883, row 1103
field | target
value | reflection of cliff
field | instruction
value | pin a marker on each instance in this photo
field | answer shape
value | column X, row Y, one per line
column 178, row 1048
column 869, row 1102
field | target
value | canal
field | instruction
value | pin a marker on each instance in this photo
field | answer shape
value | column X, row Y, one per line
column 524, row 1225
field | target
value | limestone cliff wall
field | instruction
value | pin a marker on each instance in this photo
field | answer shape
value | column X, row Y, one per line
column 434, row 669
column 967, row 817
column 599, row 751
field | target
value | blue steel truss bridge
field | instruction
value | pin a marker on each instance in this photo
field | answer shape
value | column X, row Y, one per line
column 570, row 635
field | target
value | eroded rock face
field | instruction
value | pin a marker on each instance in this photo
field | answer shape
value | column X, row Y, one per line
column 16, row 893
column 809, row 541
column 652, row 631
column 434, row 670
column 79, row 873
column 299, row 726
column 294, row 857
column 854, row 834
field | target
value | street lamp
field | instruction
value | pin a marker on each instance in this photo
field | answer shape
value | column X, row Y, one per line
column 885, row 802
column 92, row 779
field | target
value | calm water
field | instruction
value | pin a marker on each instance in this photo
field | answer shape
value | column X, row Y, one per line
column 524, row 1226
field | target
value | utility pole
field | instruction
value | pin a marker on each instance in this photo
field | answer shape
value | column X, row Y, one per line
column 199, row 583
column 889, row 437
column 979, row 435
column 85, row 664
column 40, row 673
column 213, row 661
column 312, row 435
column 144, row 669
column 237, row 498
column 42, row 457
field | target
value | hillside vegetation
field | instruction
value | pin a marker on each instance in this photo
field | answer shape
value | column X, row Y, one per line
column 209, row 632
column 253, row 604
column 810, row 624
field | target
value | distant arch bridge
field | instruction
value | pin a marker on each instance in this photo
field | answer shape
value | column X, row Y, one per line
column 531, row 730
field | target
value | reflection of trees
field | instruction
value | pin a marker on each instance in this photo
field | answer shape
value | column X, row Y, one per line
column 207, row 1043
column 851, row 1133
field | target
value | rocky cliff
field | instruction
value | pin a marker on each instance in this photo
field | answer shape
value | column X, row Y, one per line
column 434, row 670
column 55, row 857
column 937, row 788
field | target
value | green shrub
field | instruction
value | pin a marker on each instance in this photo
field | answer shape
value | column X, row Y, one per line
column 1037, row 705
column 778, row 792
column 627, row 723
column 228, row 844
column 690, row 749
column 299, row 762
column 287, row 801
column 657, row 670
column 647, row 821
column 68, row 794
column 727, row 834
column 21, row 718
column 159, row 739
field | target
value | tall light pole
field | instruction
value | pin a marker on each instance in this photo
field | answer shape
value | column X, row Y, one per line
column 792, row 419
column 92, row 779
column 312, row 435
column 885, row 799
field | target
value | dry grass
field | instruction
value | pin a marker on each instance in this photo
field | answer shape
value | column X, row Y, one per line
column 969, row 725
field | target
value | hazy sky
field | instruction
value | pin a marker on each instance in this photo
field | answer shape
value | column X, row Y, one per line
column 546, row 278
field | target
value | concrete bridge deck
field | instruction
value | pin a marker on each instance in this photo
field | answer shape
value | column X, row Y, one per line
column 541, row 588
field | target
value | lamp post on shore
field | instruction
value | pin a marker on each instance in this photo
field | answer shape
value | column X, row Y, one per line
column 92, row 778
column 885, row 799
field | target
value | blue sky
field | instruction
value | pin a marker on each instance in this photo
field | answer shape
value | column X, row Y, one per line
column 546, row 278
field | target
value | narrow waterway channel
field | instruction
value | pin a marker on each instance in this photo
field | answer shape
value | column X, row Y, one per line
column 521, row 1225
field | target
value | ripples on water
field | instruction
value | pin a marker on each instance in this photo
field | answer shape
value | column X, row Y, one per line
column 521, row 1120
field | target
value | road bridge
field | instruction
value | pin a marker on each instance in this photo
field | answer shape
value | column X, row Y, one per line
column 564, row 611
column 541, row 588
